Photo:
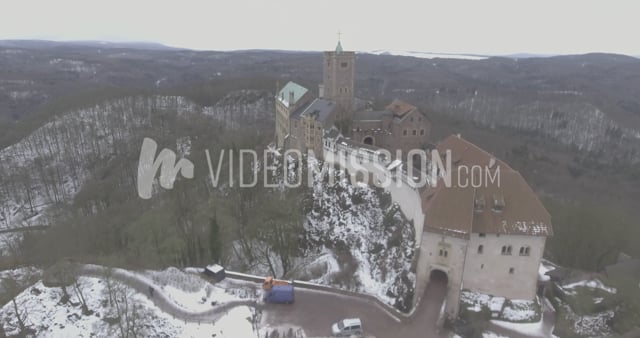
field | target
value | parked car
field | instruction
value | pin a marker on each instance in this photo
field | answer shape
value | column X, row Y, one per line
column 347, row 327
column 282, row 294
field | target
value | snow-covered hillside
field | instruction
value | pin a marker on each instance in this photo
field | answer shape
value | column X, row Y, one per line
column 362, row 241
column 50, row 165
column 44, row 312
column 243, row 107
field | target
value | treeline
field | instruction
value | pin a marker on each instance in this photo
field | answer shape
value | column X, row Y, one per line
column 191, row 225
column 590, row 237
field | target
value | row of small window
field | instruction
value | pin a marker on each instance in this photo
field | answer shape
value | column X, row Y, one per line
column 414, row 132
column 511, row 270
column 506, row 250
column 342, row 64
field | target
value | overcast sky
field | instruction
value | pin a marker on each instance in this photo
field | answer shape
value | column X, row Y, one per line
column 483, row 27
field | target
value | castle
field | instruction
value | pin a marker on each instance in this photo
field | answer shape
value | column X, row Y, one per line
column 302, row 119
column 486, row 238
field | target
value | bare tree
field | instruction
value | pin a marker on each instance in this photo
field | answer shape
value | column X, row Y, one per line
column 12, row 287
column 67, row 274
column 129, row 314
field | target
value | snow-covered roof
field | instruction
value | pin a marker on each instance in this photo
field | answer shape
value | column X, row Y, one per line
column 215, row 268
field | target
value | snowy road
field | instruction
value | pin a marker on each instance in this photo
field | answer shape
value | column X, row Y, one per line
column 315, row 311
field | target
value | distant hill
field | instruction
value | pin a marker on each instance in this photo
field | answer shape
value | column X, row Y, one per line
column 564, row 121
column 35, row 44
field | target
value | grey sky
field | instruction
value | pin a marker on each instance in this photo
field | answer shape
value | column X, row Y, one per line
column 484, row 27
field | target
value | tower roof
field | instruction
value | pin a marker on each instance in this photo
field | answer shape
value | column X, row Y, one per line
column 339, row 48
column 293, row 91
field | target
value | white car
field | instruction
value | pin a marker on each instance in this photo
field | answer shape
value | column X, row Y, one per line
column 347, row 327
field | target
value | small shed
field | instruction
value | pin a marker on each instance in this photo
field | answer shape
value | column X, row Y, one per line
column 215, row 271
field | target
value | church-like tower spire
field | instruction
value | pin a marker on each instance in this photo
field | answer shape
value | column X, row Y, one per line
column 339, row 46
column 338, row 79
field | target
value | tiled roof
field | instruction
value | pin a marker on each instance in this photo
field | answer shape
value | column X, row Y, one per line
column 466, row 153
column 370, row 115
column 399, row 108
column 319, row 109
column 503, row 203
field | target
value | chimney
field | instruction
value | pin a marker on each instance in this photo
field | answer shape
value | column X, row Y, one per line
column 321, row 91
column 291, row 98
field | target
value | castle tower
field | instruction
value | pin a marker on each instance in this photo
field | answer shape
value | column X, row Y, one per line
column 338, row 78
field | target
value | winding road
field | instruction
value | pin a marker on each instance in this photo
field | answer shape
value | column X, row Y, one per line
column 314, row 311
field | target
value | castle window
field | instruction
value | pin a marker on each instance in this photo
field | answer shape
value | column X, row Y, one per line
column 415, row 132
column 421, row 131
column 482, row 234
column 511, row 271
column 344, row 65
column 480, row 248
column 524, row 251
column 498, row 203
column 404, row 132
column 478, row 205
column 481, row 266
column 443, row 253
column 506, row 250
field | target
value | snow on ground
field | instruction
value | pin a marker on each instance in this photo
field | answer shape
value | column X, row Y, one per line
column 490, row 334
column 475, row 301
column 190, row 291
column 288, row 331
column 50, row 165
column 589, row 325
column 187, row 291
column 591, row 284
column 21, row 274
column 535, row 329
column 355, row 231
column 543, row 269
column 519, row 310
column 511, row 310
column 48, row 317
